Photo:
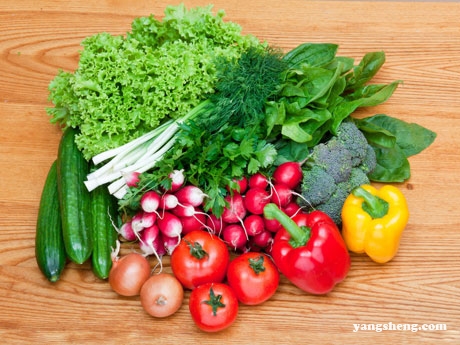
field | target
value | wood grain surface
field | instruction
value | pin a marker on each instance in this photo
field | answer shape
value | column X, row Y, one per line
column 420, row 286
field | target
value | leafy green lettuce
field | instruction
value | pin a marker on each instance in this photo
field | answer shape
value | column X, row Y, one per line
column 124, row 86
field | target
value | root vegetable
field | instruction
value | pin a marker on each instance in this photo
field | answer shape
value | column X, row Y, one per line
column 162, row 295
column 128, row 274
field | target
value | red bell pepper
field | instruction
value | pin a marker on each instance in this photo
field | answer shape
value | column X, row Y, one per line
column 309, row 250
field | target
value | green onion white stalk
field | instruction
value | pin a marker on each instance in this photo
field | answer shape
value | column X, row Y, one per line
column 136, row 156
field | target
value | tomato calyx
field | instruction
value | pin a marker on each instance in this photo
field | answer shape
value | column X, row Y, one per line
column 257, row 264
column 196, row 250
column 214, row 301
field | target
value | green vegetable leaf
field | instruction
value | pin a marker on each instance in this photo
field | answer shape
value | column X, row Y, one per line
column 392, row 165
column 312, row 54
column 125, row 86
column 367, row 96
column 366, row 70
column 393, row 141
column 410, row 137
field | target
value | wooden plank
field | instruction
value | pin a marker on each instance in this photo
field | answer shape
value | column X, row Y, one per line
column 421, row 285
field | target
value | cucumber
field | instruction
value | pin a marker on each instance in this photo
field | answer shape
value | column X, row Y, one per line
column 74, row 198
column 49, row 243
column 104, row 217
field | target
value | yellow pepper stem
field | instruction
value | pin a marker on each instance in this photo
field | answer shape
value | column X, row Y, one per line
column 376, row 207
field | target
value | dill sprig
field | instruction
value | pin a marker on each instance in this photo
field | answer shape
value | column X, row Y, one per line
column 243, row 86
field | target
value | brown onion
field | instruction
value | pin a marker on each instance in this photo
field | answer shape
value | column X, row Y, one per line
column 162, row 295
column 128, row 274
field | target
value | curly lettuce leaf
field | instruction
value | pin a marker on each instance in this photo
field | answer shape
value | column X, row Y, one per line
column 125, row 86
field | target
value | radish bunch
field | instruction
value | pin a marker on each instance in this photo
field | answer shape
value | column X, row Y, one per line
column 165, row 217
column 242, row 225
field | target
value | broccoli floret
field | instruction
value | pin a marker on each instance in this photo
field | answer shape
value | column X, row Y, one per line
column 335, row 168
column 317, row 186
column 354, row 140
column 334, row 158
column 333, row 206
column 357, row 178
column 370, row 160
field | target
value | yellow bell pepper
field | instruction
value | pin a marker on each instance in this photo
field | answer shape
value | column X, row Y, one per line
column 373, row 221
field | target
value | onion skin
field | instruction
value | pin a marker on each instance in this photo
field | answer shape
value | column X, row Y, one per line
column 162, row 295
column 128, row 274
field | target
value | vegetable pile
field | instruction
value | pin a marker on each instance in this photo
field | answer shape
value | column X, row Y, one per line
column 237, row 161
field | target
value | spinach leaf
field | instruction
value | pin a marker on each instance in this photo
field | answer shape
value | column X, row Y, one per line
column 393, row 140
column 312, row 54
column 410, row 137
column 392, row 165
column 366, row 69
column 366, row 96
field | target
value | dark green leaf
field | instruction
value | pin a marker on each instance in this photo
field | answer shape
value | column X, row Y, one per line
column 366, row 70
column 313, row 54
column 392, row 166
column 410, row 137
column 375, row 134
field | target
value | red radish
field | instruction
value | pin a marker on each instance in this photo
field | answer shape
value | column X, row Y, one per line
column 190, row 195
column 291, row 209
column 195, row 222
column 136, row 222
column 148, row 219
column 258, row 180
column 183, row 210
column 132, row 178
column 161, row 250
column 170, row 243
column 169, row 224
column 262, row 240
column 281, row 194
column 271, row 225
column 150, row 201
column 214, row 224
column 148, row 240
column 242, row 185
column 255, row 199
column 177, row 180
column 235, row 236
column 168, row 201
column 289, row 173
column 236, row 211
column 126, row 231
column 253, row 224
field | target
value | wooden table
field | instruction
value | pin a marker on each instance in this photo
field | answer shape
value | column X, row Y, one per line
column 420, row 286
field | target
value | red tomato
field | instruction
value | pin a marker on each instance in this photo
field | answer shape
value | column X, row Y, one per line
column 200, row 258
column 253, row 277
column 213, row 306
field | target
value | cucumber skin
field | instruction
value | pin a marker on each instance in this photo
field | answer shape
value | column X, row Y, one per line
column 49, row 243
column 74, row 198
column 104, row 216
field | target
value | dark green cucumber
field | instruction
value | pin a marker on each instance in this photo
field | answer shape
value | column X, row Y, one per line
column 49, row 242
column 74, row 198
column 104, row 217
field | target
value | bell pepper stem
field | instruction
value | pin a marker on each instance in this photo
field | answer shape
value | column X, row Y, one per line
column 375, row 206
column 299, row 235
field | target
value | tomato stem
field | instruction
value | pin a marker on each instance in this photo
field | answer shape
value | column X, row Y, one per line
column 214, row 301
column 196, row 250
column 257, row 264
